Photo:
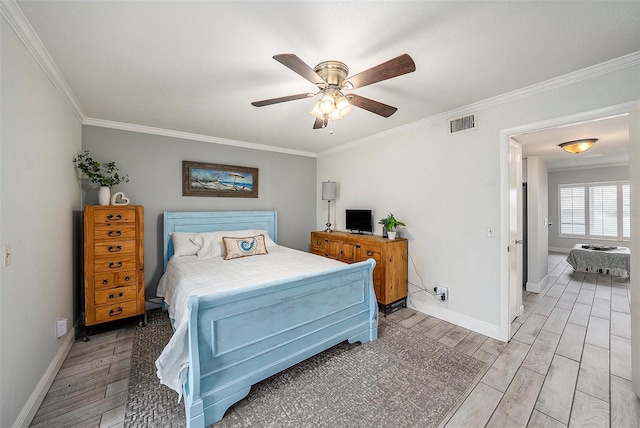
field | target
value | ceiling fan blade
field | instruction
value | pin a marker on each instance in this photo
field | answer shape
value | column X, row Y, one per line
column 299, row 66
column 371, row 105
column 281, row 100
column 321, row 123
column 394, row 67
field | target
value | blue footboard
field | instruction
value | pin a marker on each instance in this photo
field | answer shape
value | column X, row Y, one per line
column 246, row 336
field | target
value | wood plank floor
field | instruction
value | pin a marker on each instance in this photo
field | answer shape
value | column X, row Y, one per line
column 568, row 364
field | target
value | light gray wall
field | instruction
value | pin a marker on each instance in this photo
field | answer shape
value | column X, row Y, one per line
column 39, row 195
column 287, row 183
column 573, row 176
column 448, row 188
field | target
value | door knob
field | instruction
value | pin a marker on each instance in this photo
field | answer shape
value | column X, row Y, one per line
column 518, row 241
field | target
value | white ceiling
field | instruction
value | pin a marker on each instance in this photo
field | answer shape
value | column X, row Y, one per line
column 612, row 146
column 195, row 67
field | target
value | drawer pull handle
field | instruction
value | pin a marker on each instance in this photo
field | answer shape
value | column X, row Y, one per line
column 113, row 313
column 127, row 278
column 105, row 281
column 115, row 233
column 113, row 265
column 113, row 296
column 115, row 249
column 369, row 253
column 318, row 242
column 114, row 217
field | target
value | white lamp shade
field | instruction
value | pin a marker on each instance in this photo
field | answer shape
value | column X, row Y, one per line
column 327, row 103
column 328, row 190
column 343, row 106
column 316, row 111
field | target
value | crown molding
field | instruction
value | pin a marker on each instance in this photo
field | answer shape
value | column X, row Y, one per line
column 189, row 136
column 620, row 63
column 10, row 10
column 23, row 29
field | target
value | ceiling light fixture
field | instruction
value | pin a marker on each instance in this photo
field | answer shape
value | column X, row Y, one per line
column 330, row 77
column 332, row 103
column 578, row 146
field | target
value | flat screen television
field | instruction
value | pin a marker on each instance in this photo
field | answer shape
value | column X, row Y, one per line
column 358, row 221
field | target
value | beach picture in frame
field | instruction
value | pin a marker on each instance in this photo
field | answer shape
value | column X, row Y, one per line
column 210, row 179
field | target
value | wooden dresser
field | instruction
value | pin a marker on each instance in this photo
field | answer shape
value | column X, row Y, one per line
column 113, row 263
column 390, row 273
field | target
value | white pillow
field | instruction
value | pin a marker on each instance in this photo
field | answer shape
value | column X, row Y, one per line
column 183, row 245
column 267, row 240
column 210, row 243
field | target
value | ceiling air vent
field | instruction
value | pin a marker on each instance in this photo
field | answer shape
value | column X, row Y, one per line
column 464, row 123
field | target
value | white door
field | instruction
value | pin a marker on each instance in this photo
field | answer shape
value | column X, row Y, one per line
column 515, row 229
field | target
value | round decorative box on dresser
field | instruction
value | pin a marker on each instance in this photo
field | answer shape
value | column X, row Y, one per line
column 113, row 263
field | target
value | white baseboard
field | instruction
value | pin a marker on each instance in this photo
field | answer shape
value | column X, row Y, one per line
column 35, row 400
column 473, row 324
column 559, row 250
column 537, row 287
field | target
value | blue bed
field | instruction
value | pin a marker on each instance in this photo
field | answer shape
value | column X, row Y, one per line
column 249, row 334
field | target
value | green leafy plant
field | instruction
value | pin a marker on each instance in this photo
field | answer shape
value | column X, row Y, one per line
column 104, row 174
column 391, row 223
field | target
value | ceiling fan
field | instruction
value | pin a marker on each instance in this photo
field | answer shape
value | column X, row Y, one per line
column 331, row 79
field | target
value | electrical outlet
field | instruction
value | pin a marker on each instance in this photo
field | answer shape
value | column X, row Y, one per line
column 7, row 255
column 61, row 327
column 442, row 293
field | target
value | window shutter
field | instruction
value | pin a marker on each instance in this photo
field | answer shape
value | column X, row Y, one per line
column 603, row 210
column 572, row 211
column 595, row 210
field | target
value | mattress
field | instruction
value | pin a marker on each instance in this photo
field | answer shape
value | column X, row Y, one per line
column 187, row 276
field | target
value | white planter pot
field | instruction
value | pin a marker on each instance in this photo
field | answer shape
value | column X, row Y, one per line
column 391, row 235
column 104, row 195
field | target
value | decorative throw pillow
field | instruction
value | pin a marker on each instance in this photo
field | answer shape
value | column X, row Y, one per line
column 242, row 247
column 183, row 244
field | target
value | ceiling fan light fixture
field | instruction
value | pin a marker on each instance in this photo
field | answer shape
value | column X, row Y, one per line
column 335, row 115
column 327, row 103
column 316, row 111
column 330, row 78
column 578, row 146
column 343, row 106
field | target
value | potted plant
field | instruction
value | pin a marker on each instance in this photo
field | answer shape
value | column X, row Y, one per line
column 103, row 174
column 390, row 224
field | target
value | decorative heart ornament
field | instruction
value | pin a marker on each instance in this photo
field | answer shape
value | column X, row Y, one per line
column 120, row 199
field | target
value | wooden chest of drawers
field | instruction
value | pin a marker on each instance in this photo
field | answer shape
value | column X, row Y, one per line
column 113, row 263
column 390, row 273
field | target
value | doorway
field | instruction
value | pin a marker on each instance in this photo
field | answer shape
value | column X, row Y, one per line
column 506, row 137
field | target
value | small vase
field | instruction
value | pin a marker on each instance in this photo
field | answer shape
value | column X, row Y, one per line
column 391, row 235
column 104, row 195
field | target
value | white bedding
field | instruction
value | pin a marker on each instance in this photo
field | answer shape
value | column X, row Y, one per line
column 190, row 275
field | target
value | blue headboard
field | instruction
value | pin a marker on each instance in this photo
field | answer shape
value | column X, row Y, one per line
column 212, row 221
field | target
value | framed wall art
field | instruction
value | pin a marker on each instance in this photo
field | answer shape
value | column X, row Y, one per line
column 210, row 179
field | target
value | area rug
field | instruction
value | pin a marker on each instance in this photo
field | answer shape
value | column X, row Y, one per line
column 403, row 379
